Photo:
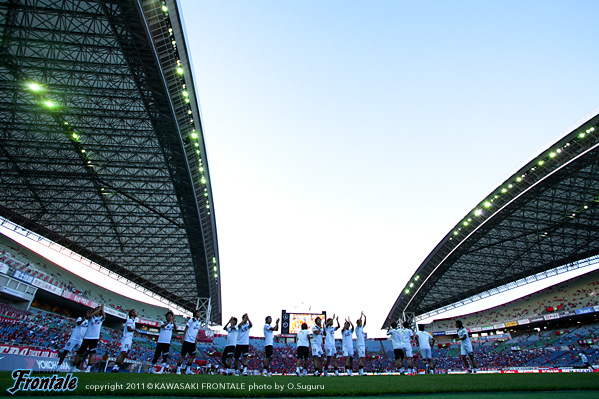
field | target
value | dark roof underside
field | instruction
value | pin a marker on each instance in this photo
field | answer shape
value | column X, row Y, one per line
column 99, row 156
column 544, row 216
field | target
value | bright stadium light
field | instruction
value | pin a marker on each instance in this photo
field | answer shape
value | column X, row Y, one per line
column 541, row 163
column 194, row 135
column 164, row 8
column 478, row 212
column 180, row 71
column 34, row 86
column 581, row 135
column 49, row 104
column 487, row 204
column 552, row 155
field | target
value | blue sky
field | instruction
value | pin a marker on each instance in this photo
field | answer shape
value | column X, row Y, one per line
column 346, row 138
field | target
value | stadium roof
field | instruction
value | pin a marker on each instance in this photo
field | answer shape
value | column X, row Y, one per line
column 543, row 217
column 102, row 147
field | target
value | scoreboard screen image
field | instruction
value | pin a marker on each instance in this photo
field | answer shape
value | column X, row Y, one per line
column 292, row 322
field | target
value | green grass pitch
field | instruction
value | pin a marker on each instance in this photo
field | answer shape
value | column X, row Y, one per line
column 507, row 386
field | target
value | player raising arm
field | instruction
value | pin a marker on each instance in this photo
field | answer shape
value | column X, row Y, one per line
column 190, row 337
column 347, row 341
column 243, row 344
column 360, row 344
column 229, row 351
column 317, row 336
column 329, row 345
column 268, row 343
column 126, row 340
column 163, row 344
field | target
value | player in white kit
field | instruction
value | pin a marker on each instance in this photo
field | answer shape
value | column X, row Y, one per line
column 268, row 343
column 425, row 342
column 360, row 344
column 396, row 341
column 76, row 337
column 303, row 351
column 406, row 335
column 126, row 340
column 190, row 337
column 243, row 344
column 229, row 351
column 347, row 341
column 329, row 345
column 317, row 338
column 163, row 344
column 466, row 347
column 90, row 339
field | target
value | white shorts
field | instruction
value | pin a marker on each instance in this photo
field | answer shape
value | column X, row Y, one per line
column 330, row 350
column 126, row 345
column 317, row 350
column 348, row 351
column 467, row 348
column 361, row 349
column 72, row 345
column 426, row 353
column 407, row 350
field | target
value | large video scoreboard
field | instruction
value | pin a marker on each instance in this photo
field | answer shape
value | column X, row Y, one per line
column 292, row 322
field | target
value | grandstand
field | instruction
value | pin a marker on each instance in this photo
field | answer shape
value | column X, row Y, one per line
column 39, row 331
column 540, row 222
column 103, row 147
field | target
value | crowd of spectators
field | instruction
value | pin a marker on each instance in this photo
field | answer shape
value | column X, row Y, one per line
column 544, row 348
column 573, row 294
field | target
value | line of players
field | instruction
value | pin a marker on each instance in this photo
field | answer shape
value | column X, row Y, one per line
column 86, row 333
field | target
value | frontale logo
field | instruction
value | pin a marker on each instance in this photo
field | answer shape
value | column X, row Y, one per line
column 54, row 383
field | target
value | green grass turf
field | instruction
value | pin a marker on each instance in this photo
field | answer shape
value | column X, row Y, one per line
column 505, row 386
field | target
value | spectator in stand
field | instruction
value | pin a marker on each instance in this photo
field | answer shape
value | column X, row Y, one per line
column 163, row 344
column 126, row 340
column 268, row 343
column 76, row 338
column 89, row 344
column 466, row 347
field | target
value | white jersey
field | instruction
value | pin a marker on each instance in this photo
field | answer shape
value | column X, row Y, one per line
column 583, row 358
column 268, row 335
column 462, row 332
column 193, row 327
column 302, row 338
column 94, row 327
column 317, row 336
column 128, row 335
column 395, row 338
column 347, row 338
column 329, row 340
column 424, row 339
column 79, row 330
column 360, row 336
column 232, row 333
column 166, row 332
column 406, row 337
column 244, row 334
